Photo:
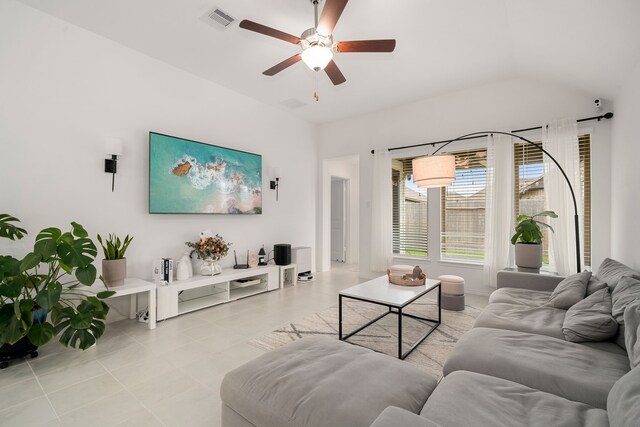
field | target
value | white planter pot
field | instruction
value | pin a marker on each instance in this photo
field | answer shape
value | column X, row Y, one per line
column 529, row 257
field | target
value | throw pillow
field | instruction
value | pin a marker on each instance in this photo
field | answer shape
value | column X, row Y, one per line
column 611, row 271
column 631, row 333
column 627, row 291
column 590, row 319
column 569, row 291
column 594, row 285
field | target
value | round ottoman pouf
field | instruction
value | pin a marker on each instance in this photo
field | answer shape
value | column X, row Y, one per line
column 452, row 292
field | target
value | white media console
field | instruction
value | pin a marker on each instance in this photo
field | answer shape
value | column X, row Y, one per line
column 200, row 292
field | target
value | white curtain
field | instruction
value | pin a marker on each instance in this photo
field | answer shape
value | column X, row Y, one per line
column 560, row 139
column 381, row 212
column 498, row 252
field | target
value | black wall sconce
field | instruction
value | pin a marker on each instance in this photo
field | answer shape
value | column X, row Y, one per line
column 111, row 166
column 274, row 186
column 276, row 183
column 113, row 149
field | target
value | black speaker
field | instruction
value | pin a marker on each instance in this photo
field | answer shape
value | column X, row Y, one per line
column 282, row 254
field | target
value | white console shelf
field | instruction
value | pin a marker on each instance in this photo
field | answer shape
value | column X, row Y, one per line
column 201, row 292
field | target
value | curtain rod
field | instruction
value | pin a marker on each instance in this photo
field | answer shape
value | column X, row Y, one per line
column 433, row 144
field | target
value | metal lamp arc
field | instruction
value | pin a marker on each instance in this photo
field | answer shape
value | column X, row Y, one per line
column 436, row 183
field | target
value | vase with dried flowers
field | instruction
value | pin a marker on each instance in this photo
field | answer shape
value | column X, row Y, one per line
column 210, row 249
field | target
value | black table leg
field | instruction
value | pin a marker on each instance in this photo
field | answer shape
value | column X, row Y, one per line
column 439, row 304
column 340, row 317
column 399, row 333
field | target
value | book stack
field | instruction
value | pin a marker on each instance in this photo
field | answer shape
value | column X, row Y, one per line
column 163, row 271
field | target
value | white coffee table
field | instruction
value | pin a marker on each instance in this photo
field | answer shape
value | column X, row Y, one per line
column 396, row 298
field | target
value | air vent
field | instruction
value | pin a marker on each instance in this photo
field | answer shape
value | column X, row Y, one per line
column 293, row 103
column 218, row 18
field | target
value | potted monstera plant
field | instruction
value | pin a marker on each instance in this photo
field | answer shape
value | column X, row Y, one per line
column 46, row 295
column 528, row 241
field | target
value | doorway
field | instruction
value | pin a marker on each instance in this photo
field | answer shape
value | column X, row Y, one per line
column 343, row 175
column 339, row 219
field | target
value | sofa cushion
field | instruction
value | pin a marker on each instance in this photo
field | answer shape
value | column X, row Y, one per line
column 611, row 271
column 323, row 381
column 594, row 285
column 590, row 319
column 632, row 333
column 533, row 281
column 535, row 320
column 623, row 404
column 520, row 296
column 609, row 346
column 230, row 418
column 394, row 417
column 574, row 371
column 626, row 292
column 571, row 290
column 468, row 398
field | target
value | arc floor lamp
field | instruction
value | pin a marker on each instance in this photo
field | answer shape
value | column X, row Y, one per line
column 439, row 170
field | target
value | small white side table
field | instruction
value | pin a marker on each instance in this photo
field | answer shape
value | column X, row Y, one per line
column 285, row 270
column 133, row 286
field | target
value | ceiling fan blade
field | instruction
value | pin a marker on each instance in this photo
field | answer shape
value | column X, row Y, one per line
column 334, row 73
column 330, row 14
column 268, row 31
column 281, row 66
column 366, row 46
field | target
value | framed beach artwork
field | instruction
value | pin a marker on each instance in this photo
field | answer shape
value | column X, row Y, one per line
column 193, row 177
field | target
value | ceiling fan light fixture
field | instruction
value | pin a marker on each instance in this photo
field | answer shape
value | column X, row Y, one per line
column 317, row 57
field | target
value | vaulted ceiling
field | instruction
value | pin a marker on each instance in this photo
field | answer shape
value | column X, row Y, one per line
column 589, row 45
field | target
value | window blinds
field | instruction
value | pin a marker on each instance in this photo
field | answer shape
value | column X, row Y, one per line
column 410, row 235
column 463, row 209
column 584, row 142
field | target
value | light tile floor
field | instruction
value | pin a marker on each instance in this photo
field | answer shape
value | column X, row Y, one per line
column 166, row 377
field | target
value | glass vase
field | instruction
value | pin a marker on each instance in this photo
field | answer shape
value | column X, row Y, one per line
column 210, row 267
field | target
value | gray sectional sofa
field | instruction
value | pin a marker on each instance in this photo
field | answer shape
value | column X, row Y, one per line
column 514, row 368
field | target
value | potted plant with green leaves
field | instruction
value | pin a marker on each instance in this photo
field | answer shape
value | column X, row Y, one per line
column 114, row 264
column 42, row 295
column 528, row 241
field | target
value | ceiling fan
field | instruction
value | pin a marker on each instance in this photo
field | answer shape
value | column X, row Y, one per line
column 317, row 42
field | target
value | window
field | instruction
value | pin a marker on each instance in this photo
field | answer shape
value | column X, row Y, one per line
column 410, row 236
column 529, row 189
column 463, row 206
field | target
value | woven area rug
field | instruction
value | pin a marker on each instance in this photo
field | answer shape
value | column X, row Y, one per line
column 382, row 336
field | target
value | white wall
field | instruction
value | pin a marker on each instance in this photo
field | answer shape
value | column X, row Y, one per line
column 64, row 90
column 348, row 168
column 625, row 152
column 506, row 105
